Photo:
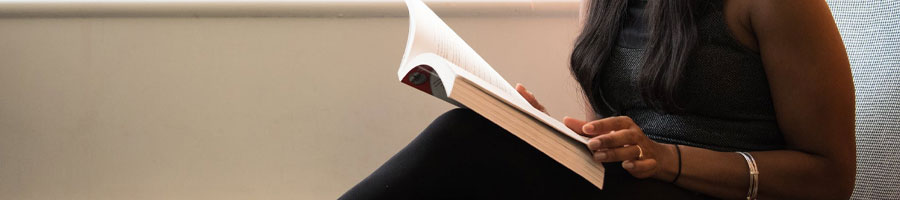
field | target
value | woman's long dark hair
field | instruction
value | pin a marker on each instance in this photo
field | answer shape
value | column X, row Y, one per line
column 672, row 37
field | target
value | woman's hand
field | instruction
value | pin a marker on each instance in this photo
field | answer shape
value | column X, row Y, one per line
column 530, row 97
column 615, row 139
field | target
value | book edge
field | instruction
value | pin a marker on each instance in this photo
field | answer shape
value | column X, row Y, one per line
column 575, row 158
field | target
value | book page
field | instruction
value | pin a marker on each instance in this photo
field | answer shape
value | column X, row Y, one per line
column 429, row 34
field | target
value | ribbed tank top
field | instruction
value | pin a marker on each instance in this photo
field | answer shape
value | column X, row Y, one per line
column 724, row 89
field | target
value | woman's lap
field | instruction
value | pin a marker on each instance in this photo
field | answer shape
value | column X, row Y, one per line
column 463, row 155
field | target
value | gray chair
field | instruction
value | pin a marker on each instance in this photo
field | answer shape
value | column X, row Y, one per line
column 871, row 33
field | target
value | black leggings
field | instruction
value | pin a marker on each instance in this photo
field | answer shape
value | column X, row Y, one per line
column 462, row 155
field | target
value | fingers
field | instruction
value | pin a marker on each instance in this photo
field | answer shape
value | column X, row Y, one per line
column 641, row 168
column 522, row 91
column 630, row 152
column 614, row 139
column 608, row 124
column 529, row 97
column 575, row 125
column 628, row 155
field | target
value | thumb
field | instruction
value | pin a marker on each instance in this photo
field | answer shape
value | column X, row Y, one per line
column 575, row 125
column 529, row 97
column 521, row 89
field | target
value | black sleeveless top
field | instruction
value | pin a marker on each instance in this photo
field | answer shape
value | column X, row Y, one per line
column 724, row 89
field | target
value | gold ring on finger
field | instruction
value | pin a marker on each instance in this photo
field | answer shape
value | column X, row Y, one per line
column 640, row 152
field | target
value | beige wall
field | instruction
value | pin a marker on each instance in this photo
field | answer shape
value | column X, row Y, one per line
column 231, row 107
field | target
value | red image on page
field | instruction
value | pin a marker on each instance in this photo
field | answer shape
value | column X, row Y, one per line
column 421, row 77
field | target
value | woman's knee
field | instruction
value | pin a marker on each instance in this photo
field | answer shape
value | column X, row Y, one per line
column 460, row 124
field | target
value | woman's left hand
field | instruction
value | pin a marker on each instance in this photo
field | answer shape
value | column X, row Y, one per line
column 617, row 139
column 529, row 96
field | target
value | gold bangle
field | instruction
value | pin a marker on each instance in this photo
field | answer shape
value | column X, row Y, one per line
column 754, row 175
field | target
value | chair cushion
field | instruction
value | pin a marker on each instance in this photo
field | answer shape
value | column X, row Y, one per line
column 871, row 33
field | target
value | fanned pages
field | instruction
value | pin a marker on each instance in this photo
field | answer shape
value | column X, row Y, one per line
column 438, row 62
column 428, row 34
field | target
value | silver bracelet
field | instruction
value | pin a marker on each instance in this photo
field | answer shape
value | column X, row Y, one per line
column 754, row 175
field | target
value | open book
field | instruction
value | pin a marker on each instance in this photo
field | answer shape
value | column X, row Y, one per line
column 440, row 63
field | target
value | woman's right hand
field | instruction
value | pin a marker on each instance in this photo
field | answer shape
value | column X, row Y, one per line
column 530, row 97
column 619, row 139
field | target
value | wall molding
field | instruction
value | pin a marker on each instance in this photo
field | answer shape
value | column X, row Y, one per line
column 282, row 8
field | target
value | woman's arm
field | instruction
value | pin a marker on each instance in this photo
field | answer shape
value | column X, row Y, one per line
column 812, row 90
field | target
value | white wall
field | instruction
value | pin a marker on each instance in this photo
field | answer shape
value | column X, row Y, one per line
column 232, row 107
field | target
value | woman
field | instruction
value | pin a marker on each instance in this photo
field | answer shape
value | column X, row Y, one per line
column 693, row 99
